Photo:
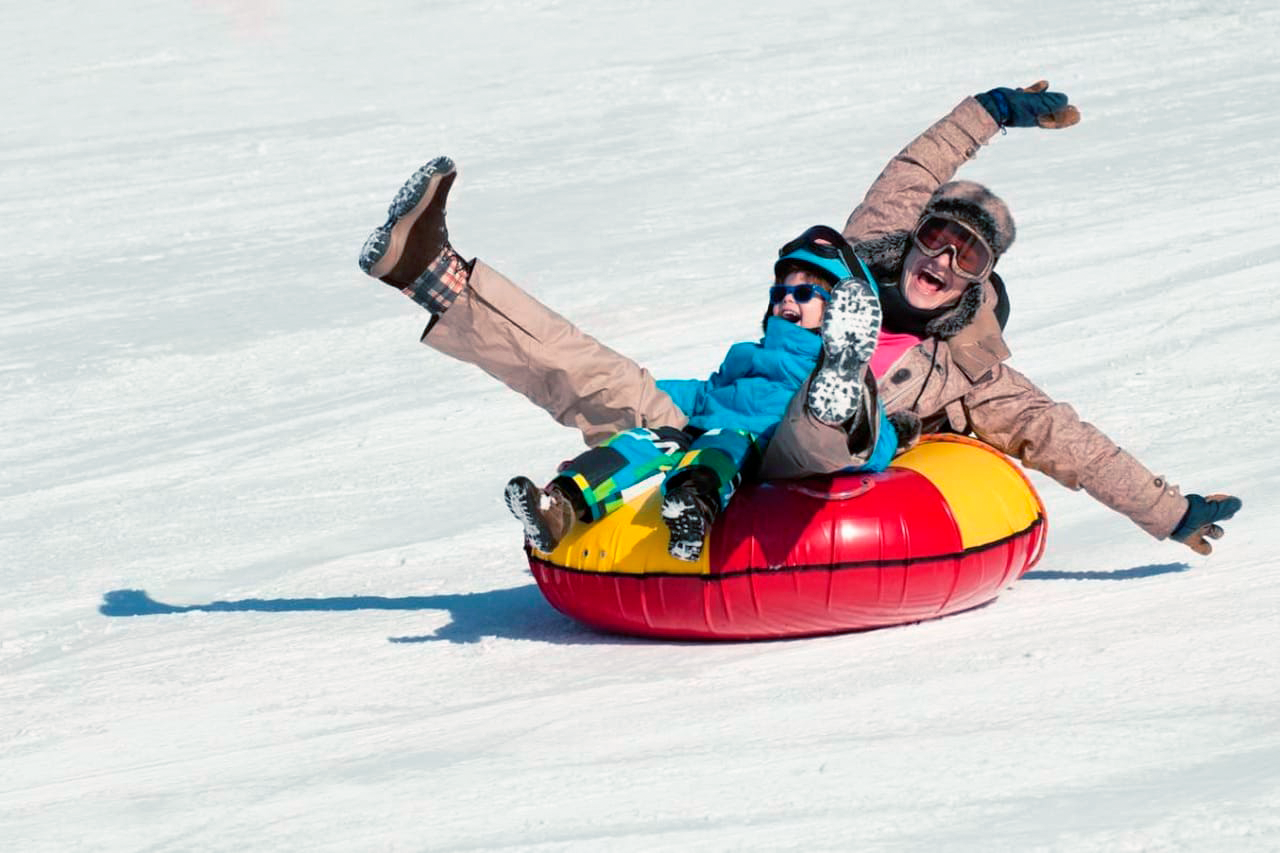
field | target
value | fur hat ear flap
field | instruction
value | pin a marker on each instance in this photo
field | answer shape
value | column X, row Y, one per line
column 885, row 255
column 977, row 207
column 950, row 323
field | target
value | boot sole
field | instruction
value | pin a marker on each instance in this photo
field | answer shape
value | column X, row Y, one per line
column 522, row 497
column 850, row 329
column 385, row 246
column 688, row 529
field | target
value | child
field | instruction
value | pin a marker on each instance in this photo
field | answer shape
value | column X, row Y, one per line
column 817, row 307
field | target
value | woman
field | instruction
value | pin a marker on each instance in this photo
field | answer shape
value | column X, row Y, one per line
column 933, row 247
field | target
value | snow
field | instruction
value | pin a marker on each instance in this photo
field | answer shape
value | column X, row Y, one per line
column 260, row 589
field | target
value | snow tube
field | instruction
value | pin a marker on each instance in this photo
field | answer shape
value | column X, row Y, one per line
column 944, row 529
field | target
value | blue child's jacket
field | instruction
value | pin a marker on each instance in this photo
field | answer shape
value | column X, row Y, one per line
column 755, row 382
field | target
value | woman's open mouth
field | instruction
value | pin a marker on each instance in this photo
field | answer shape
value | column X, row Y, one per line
column 933, row 281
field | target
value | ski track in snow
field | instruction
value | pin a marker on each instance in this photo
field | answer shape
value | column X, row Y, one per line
column 260, row 588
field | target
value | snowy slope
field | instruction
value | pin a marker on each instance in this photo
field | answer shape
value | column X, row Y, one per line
column 339, row 646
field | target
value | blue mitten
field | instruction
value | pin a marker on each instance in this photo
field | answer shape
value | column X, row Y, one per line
column 1200, row 523
column 1033, row 106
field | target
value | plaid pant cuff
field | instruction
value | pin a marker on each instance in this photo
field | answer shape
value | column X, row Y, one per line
column 440, row 284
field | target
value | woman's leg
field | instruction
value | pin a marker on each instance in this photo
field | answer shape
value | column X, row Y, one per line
column 537, row 353
column 481, row 318
column 804, row 446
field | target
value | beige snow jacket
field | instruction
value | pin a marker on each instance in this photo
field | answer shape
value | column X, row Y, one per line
column 965, row 377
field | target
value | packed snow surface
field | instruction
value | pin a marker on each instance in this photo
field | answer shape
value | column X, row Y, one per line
column 260, row 589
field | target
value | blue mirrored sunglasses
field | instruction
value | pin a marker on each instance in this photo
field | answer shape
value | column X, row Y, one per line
column 802, row 292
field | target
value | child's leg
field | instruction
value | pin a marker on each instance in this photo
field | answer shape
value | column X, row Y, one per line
column 701, row 485
column 545, row 514
column 595, row 480
column 716, row 462
column 592, row 485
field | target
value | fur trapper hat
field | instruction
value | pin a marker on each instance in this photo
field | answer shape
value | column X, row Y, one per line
column 977, row 207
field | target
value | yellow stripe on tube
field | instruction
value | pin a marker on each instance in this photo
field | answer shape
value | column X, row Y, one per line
column 989, row 498
column 631, row 539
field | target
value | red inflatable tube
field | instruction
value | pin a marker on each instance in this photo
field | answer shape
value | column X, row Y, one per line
column 943, row 530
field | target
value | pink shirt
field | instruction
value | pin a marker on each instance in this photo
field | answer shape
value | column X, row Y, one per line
column 889, row 347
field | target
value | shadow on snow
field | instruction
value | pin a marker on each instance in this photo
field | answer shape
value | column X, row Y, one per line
column 516, row 613
column 1120, row 575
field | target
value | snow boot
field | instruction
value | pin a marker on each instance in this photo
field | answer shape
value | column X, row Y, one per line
column 850, row 329
column 411, row 250
column 547, row 515
column 688, row 514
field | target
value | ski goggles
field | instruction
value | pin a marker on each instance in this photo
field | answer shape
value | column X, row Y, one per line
column 970, row 254
column 802, row 292
column 818, row 247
